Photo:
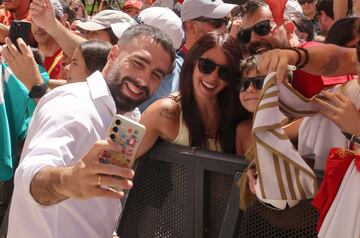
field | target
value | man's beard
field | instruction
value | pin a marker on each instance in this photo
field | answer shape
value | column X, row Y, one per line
column 259, row 47
column 124, row 103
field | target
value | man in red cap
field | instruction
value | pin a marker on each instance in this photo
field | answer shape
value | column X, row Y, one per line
column 132, row 7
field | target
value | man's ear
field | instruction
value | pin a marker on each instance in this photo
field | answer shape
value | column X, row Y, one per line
column 113, row 54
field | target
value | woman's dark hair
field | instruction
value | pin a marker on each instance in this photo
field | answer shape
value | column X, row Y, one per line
column 229, row 107
column 342, row 31
column 95, row 53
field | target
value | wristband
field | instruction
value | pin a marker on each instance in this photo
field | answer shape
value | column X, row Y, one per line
column 297, row 52
column 306, row 60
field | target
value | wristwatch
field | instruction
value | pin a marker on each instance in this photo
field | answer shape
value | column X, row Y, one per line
column 38, row 90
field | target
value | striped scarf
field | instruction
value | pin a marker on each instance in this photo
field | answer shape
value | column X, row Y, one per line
column 283, row 176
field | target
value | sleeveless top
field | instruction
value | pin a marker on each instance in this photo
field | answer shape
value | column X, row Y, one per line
column 183, row 136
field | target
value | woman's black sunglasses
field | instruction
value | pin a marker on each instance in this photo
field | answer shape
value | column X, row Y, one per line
column 261, row 28
column 216, row 23
column 207, row 66
column 244, row 83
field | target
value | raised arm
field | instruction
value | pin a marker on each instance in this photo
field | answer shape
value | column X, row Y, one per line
column 323, row 59
column 42, row 13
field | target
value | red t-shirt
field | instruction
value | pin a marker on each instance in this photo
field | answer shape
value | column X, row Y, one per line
column 53, row 64
column 310, row 84
column 6, row 17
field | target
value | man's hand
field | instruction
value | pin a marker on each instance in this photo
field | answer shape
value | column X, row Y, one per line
column 22, row 63
column 339, row 109
column 277, row 61
column 42, row 13
column 87, row 179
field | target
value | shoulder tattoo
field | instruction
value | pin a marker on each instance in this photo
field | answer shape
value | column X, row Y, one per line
column 168, row 114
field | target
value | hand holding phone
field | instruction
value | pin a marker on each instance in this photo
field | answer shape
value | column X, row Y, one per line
column 128, row 134
column 19, row 29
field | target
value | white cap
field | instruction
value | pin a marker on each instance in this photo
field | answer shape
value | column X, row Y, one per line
column 166, row 20
column 215, row 9
column 105, row 19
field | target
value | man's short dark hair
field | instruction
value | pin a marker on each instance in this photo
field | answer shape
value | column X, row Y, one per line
column 153, row 33
column 326, row 6
column 251, row 6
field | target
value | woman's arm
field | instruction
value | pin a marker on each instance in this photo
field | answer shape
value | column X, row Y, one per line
column 161, row 120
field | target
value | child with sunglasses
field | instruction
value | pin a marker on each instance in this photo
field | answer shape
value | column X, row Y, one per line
column 249, row 86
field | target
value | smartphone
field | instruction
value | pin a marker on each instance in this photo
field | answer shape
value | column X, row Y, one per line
column 128, row 134
column 19, row 29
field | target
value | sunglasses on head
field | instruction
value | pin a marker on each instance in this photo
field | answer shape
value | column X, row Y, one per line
column 244, row 83
column 207, row 66
column 261, row 28
column 302, row 2
column 216, row 23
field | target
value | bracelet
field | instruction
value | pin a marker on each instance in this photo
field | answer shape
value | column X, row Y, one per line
column 306, row 60
column 352, row 137
column 297, row 52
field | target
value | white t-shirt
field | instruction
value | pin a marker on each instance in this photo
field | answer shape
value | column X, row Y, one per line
column 65, row 125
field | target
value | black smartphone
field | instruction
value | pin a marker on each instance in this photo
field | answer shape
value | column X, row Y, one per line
column 19, row 29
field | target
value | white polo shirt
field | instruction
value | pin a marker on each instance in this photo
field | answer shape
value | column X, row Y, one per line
column 66, row 124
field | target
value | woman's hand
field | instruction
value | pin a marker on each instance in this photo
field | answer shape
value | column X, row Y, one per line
column 339, row 109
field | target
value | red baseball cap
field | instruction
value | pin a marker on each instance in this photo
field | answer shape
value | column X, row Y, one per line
column 132, row 4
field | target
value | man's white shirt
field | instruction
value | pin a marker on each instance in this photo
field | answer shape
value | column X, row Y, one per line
column 66, row 124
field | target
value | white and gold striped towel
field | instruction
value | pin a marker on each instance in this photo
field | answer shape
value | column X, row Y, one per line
column 283, row 176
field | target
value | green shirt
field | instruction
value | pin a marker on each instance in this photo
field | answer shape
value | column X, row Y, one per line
column 16, row 109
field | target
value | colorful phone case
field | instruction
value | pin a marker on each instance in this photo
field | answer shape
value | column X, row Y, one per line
column 128, row 134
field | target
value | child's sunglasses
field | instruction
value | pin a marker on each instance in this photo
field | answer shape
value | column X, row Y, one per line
column 207, row 66
column 244, row 83
column 261, row 28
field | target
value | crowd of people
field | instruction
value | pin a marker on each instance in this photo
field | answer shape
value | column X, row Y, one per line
column 197, row 73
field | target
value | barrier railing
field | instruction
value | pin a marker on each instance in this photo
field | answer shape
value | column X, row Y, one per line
column 187, row 192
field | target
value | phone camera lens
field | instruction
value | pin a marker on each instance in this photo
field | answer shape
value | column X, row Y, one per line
column 112, row 136
column 115, row 129
column 117, row 122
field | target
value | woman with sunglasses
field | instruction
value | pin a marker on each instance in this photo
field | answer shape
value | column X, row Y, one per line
column 205, row 111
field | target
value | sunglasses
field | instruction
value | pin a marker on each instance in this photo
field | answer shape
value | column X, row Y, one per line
column 244, row 83
column 216, row 23
column 207, row 66
column 261, row 28
column 302, row 2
